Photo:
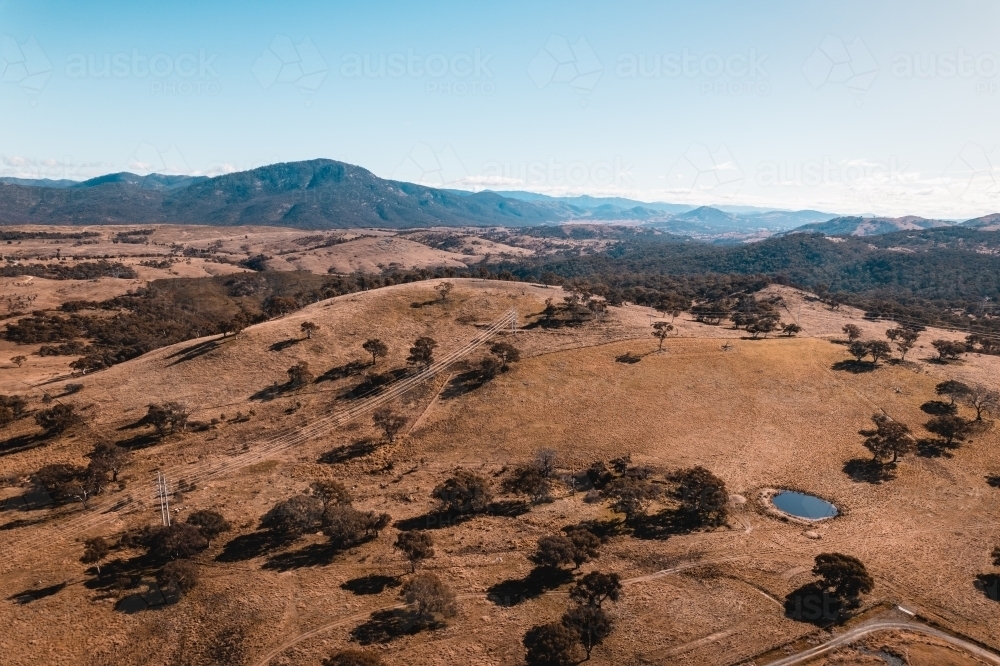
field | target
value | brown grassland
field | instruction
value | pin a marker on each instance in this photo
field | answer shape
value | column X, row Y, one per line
column 769, row 413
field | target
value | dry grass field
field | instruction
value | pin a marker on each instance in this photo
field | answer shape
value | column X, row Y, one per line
column 769, row 413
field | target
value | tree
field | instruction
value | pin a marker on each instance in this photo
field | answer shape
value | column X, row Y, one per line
column 844, row 576
column 947, row 349
column 858, row 350
column 168, row 418
column 178, row 575
column 554, row 551
column 388, row 422
column 210, row 523
column 95, row 550
column 376, row 348
column 661, row 329
column 546, row 461
column 955, row 390
column 58, row 480
column 950, row 428
column 904, row 338
column 299, row 375
column 19, row 360
column 444, row 289
column 631, row 496
column 431, row 598
column 331, row 492
column 889, row 438
column 56, row 419
column 177, row 541
column 294, row 516
column 489, row 368
column 591, row 625
column 996, row 556
column 353, row 658
column 15, row 405
column 464, row 492
column 791, row 329
column 763, row 323
column 416, row 546
column 552, row 644
column 309, row 328
column 347, row 526
column 527, row 480
column 982, row 399
column 878, row 349
column 506, row 353
column 852, row 332
column 596, row 587
column 585, row 545
column 112, row 457
column 422, row 351
column 703, row 496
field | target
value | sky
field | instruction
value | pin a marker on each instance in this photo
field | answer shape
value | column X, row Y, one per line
column 886, row 108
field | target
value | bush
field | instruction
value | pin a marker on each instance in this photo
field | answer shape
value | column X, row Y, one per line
column 57, row 419
column 178, row 575
column 210, row 523
column 179, row 540
column 431, row 599
column 465, row 492
column 346, row 526
column 552, row 644
column 353, row 658
column 292, row 517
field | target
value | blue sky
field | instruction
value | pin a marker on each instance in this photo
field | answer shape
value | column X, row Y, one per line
column 854, row 107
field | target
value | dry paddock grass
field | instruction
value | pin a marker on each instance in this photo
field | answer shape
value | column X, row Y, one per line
column 767, row 413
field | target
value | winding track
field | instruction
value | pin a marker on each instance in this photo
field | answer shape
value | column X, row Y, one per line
column 109, row 512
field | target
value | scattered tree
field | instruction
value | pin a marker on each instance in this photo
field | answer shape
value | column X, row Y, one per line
column 95, row 550
column 590, row 624
column 168, row 418
column 416, row 546
column 299, row 375
column 331, row 492
column 890, row 438
column 506, row 353
column 546, row 461
column 904, row 338
column 353, row 658
column 878, row 349
column 56, row 419
column 702, row 495
column 858, row 350
column 852, row 332
column 791, row 329
column 527, row 480
column 950, row 428
column 19, row 360
column 844, row 576
column 178, row 575
column 631, row 496
column 982, row 399
column 111, row 457
column 210, row 523
column 293, row 517
column 661, row 330
column 762, row 324
column 431, row 598
column 376, row 348
column 464, row 492
column 955, row 390
column 177, row 541
column 948, row 349
column 388, row 422
column 552, row 644
column 309, row 328
column 596, row 587
column 422, row 351
column 11, row 408
column 444, row 289
column 347, row 526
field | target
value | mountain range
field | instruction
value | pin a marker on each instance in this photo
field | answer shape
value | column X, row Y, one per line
column 326, row 194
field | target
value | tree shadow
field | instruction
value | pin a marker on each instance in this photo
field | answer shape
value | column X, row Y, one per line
column 371, row 584
column 664, row 524
column 993, row 480
column 628, row 357
column 273, row 391
column 31, row 499
column 284, row 344
column 342, row 454
column 142, row 441
column 248, row 546
column 602, row 529
column 466, row 382
column 313, row 555
column 423, row 304
column 373, row 384
column 194, row 351
column 21, row 443
column 854, row 367
column 866, row 470
column 34, row 594
column 813, row 604
column 21, row 522
column 433, row 520
column 935, row 448
column 539, row 580
column 939, row 408
column 508, row 508
column 989, row 585
column 386, row 625
column 152, row 598
column 343, row 371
